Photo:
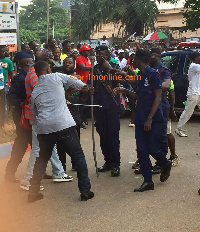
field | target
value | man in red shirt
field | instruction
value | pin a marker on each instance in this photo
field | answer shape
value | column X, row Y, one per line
column 83, row 64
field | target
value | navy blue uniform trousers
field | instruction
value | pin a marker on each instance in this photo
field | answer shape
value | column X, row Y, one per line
column 108, row 126
column 164, row 139
column 149, row 143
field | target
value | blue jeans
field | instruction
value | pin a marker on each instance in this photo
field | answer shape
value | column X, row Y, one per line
column 57, row 167
column 68, row 139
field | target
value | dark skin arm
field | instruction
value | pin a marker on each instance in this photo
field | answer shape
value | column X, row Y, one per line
column 166, row 85
column 84, row 68
column 172, row 113
column 85, row 91
column 127, row 76
column 126, row 91
column 11, row 74
column 157, row 101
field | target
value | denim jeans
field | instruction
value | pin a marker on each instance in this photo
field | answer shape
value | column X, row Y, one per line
column 68, row 139
column 57, row 167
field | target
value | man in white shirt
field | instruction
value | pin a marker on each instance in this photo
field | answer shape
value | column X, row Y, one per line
column 193, row 94
column 104, row 41
column 121, row 60
column 56, row 126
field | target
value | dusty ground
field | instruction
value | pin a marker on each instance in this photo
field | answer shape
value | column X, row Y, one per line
column 7, row 134
column 172, row 206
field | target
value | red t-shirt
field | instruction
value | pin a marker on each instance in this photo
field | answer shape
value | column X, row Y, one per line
column 87, row 63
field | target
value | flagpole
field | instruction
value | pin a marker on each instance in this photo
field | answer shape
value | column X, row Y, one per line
column 92, row 113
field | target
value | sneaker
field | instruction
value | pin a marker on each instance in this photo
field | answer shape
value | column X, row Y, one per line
column 131, row 124
column 174, row 160
column 27, row 186
column 65, row 178
column 180, row 132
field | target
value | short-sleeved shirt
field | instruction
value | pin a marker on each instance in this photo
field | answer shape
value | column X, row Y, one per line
column 1, row 77
column 7, row 67
column 101, row 95
column 164, row 74
column 150, row 81
column 84, row 74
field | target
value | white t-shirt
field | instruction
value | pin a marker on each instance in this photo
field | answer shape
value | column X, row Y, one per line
column 194, row 79
column 104, row 42
column 122, row 64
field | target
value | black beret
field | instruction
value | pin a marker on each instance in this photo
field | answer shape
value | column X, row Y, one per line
column 23, row 54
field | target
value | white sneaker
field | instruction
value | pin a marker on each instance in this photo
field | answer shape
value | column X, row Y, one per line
column 131, row 124
column 65, row 178
column 27, row 186
column 180, row 132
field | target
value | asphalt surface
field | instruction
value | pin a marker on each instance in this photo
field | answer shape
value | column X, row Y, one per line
column 172, row 206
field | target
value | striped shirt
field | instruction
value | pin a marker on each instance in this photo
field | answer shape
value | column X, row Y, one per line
column 30, row 81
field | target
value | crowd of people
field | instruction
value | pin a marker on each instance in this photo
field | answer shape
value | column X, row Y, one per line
column 50, row 89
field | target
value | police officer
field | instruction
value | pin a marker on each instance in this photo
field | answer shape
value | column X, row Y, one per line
column 17, row 96
column 148, row 121
column 107, row 117
column 165, row 75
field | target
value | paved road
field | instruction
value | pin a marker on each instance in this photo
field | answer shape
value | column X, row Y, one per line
column 172, row 206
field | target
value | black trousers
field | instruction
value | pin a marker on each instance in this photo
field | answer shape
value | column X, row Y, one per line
column 62, row 153
column 23, row 138
column 69, row 141
column 108, row 126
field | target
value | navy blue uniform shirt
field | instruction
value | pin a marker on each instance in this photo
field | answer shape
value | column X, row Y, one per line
column 102, row 97
column 17, row 92
column 149, row 82
column 164, row 74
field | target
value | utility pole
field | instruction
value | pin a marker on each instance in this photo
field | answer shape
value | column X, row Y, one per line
column 69, row 19
column 48, row 19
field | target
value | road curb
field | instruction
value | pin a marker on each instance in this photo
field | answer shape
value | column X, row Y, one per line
column 6, row 148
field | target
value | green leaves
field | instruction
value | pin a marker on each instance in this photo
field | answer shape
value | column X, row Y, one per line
column 33, row 22
column 134, row 15
column 192, row 14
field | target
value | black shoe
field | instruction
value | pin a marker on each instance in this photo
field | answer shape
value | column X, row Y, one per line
column 199, row 191
column 156, row 170
column 115, row 172
column 35, row 197
column 136, row 165
column 104, row 168
column 11, row 179
column 165, row 174
column 153, row 171
column 46, row 176
column 145, row 187
column 87, row 196
column 138, row 171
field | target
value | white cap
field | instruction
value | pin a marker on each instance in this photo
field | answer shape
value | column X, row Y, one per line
column 120, row 51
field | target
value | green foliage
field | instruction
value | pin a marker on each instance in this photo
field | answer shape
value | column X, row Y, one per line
column 192, row 14
column 33, row 20
column 135, row 15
